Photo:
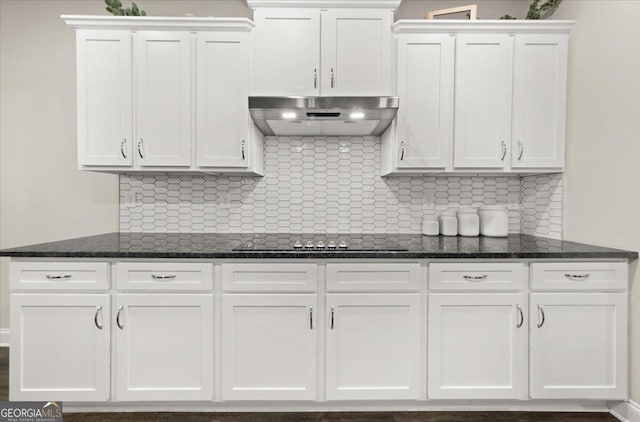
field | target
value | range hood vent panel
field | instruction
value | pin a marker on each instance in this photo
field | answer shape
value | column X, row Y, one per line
column 323, row 116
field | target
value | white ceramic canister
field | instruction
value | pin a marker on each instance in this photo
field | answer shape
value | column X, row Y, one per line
column 494, row 221
column 468, row 222
column 430, row 226
column 448, row 224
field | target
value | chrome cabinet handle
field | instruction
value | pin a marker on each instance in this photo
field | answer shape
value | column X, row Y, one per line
column 474, row 277
column 541, row 312
column 58, row 277
column 123, row 144
column 315, row 78
column 521, row 150
column 140, row 141
column 521, row 314
column 163, row 277
column 243, row 144
column 332, row 312
column 578, row 277
column 504, row 150
column 401, row 150
column 311, row 317
column 333, row 79
column 118, row 323
column 95, row 318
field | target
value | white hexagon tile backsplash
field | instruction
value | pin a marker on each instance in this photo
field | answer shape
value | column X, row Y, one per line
column 328, row 185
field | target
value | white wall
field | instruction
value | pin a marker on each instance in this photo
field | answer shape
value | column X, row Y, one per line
column 602, row 181
column 487, row 9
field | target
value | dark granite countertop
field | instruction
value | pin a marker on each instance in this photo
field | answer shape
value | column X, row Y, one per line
column 404, row 246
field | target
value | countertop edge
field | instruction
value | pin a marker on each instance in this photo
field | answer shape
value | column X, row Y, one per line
column 631, row 256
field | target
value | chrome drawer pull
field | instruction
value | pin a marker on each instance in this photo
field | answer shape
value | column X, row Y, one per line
column 474, row 277
column 541, row 312
column 118, row 323
column 163, row 277
column 311, row 317
column 577, row 276
column 58, row 277
column 332, row 312
column 95, row 317
column 521, row 314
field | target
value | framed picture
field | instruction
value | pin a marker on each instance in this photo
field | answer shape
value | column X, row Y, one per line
column 460, row 12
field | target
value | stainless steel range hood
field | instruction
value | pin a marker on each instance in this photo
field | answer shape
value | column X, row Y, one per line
column 323, row 116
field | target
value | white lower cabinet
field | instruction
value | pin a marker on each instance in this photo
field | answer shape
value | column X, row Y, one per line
column 318, row 331
column 477, row 346
column 164, row 347
column 269, row 347
column 373, row 346
column 60, row 347
column 578, row 346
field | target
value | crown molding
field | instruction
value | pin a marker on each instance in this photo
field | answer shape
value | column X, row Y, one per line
column 165, row 23
column 355, row 4
column 440, row 26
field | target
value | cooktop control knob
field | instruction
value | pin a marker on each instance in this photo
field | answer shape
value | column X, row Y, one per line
column 297, row 245
column 343, row 244
column 331, row 244
column 309, row 245
column 320, row 244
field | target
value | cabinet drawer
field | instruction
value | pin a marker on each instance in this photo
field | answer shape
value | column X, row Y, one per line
column 164, row 276
column 480, row 276
column 579, row 276
column 269, row 277
column 397, row 277
column 60, row 275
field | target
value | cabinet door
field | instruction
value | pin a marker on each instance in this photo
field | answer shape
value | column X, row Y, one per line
column 222, row 123
column 539, row 101
column 269, row 347
column 356, row 52
column 373, row 346
column 59, row 347
column 425, row 115
column 286, row 52
column 104, row 98
column 477, row 346
column 163, row 98
column 164, row 347
column 578, row 346
column 483, row 100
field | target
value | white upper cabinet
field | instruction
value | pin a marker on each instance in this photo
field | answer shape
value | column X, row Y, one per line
column 104, row 98
column 222, row 80
column 478, row 97
column 423, row 132
column 483, row 101
column 162, row 63
column 356, row 52
column 165, row 95
column 286, row 52
column 539, row 101
column 331, row 52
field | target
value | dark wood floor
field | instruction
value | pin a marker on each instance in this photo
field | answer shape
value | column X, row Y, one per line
column 314, row 417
